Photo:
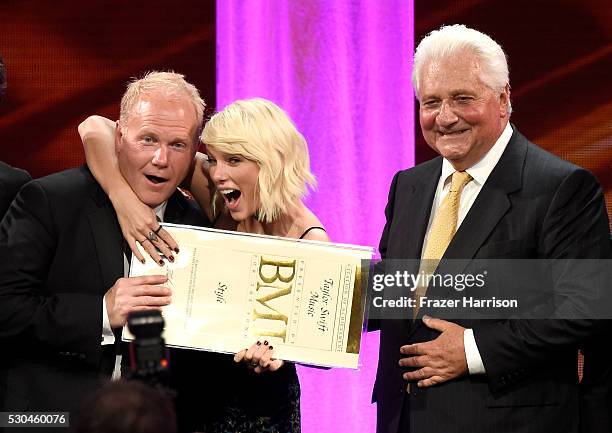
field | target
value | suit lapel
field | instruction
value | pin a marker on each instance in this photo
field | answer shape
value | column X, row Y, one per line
column 183, row 210
column 492, row 202
column 107, row 238
column 488, row 209
column 416, row 215
column 413, row 214
column 412, row 218
column 175, row 209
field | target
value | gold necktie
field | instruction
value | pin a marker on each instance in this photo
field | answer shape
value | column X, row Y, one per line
column 441, row 232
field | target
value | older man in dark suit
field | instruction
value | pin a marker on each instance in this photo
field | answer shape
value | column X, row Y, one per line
column 490, row 194
column 62, row 285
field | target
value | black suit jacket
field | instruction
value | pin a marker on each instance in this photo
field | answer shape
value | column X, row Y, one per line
column 533, row 205
column 11, row 180
column 61, row 251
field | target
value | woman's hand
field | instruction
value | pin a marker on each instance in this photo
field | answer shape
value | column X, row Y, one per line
column 259, row 357
column 137, row 220
column 139, row 224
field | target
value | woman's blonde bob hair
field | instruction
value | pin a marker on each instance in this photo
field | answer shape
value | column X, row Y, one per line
column 261, row 131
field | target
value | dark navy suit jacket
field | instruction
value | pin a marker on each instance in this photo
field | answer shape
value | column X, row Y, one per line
column 533, row 205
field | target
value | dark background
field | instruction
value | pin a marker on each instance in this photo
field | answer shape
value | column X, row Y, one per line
column 68, row 59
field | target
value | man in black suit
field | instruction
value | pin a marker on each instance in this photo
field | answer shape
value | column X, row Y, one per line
column 63, row 294
column 491, row 194
column 11, row 179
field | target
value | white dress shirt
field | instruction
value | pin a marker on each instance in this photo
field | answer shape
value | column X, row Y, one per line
column 480, row 173
column 107, row 332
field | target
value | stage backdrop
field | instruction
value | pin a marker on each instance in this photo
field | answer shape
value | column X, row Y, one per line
column 340, row 67
column 342, row 71
column 68, row 59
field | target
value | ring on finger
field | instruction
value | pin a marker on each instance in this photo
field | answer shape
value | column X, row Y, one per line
column 156, row 231
column 143, row 241
column 152, row 236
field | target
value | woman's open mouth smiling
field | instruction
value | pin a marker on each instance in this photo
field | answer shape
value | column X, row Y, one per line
column 231, row 198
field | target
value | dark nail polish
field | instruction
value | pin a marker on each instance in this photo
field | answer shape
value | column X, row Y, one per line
column 271, row 347
column 143, row 261
column 171, row 258
column 176, row 250
column 259, row 343
column 161, row 263
column 265, row 342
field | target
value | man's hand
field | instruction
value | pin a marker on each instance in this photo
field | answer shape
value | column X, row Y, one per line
column 259, row 357
column 439, row 360
column 135, row 294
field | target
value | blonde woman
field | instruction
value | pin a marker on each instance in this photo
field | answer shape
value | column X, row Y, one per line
column 253, row 178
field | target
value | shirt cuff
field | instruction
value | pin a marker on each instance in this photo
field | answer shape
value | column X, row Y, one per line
column 472, row 355
column 107, row 332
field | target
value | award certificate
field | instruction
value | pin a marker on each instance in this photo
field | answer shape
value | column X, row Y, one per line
column 231, row 289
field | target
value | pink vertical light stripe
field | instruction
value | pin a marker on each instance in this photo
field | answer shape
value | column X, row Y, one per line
column 341, row 69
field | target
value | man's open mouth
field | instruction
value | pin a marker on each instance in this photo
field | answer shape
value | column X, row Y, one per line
column 155, row 179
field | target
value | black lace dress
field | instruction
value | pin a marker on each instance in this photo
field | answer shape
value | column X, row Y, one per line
column 259, row 403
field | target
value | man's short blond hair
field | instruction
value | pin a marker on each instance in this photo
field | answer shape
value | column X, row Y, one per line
column 262, row 132
column 170, row 84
